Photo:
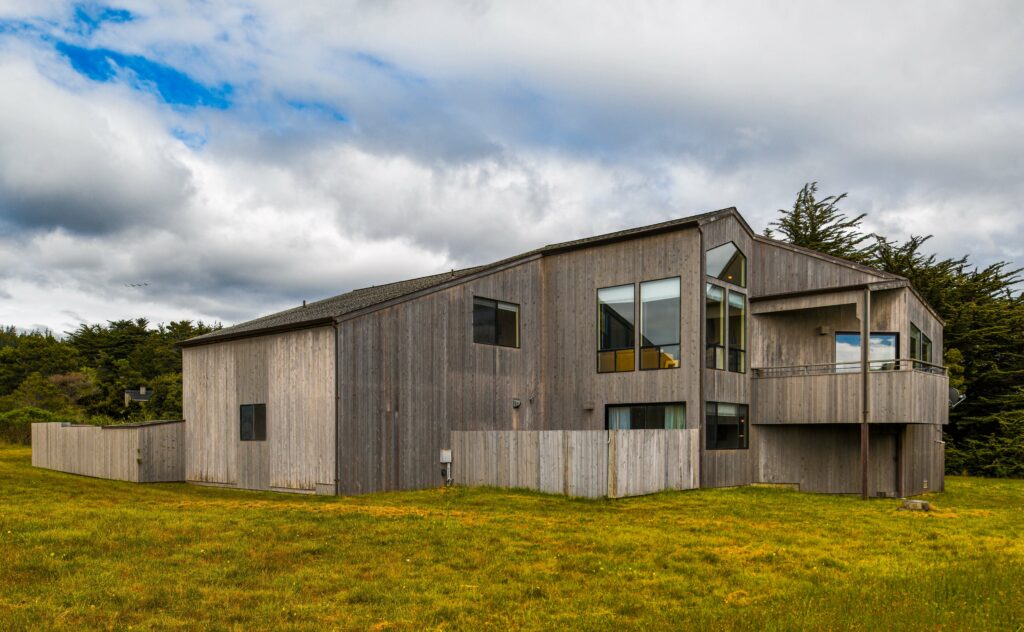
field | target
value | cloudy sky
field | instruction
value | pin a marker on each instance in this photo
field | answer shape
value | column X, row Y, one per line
column 233, row 158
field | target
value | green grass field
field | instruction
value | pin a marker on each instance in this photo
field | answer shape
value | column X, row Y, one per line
column 78, row 552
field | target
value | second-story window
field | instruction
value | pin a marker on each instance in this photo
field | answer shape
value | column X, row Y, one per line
column 659, row 324
column 495, row 322
column 714, row 326
column 727, row 263
column 616, row 335
column 920, row 346
column 737, row 332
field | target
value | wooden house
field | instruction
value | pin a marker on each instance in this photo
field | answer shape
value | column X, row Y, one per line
column 745, row 351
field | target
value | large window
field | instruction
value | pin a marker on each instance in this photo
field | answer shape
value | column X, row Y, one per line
column 714, row 325
column 616, row 336
column 727, row 263
column 495, row 322
column 646, row 417
column 920, row 347
column 737, row 332
column 659, row 324
column 252, row 424
column 727, row 427
column 883, row 351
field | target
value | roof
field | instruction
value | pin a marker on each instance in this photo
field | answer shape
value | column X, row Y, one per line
column 326, row 311
column 137, row 395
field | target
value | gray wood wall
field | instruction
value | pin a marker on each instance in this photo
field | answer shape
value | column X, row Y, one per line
column 293, row 374
column 589, row 463
column 140, row 454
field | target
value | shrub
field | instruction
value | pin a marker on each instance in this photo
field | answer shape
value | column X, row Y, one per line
column 16, row 425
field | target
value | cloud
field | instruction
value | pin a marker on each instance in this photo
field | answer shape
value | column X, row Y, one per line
column 241, row 156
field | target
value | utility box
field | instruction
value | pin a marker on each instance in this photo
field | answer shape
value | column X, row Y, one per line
column 446, row 456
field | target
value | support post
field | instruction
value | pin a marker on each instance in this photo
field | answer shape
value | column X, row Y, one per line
column 865, row 359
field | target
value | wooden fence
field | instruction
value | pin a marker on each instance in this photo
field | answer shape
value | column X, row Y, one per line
column 141, row 453
column 590, row 463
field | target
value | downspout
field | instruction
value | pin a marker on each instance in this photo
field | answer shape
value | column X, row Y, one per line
column 337, row 412
column 865, row 345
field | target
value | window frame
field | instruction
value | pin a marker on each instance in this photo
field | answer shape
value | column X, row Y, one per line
column 743, row 283
column 708, row 425
column 639, row 331
column 720, row 348
column 728, row 332
column 608, row 408
column 256, row 435
column 632, row 349
column 896, row 346
column 497, row 335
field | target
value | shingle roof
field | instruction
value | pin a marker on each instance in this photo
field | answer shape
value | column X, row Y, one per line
column 323, row 312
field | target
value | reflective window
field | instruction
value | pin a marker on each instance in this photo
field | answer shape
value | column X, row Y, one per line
column 659, row 324
column 495, row 322
column 727, row 263
column 920, row 346
column 714, row 324
column 727, row 426
column 252, row 422
column 647, row 417
column 882, row 352
column 737, row 332
column 616, row 337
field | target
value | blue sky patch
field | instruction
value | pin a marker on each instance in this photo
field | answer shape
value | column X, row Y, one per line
column 89, row 17
column 173, row 86
column 319, row 110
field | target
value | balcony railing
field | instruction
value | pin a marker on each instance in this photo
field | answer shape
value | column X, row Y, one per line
column 849, row 367
column 900, row 391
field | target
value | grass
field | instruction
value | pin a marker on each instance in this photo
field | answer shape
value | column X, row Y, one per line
column 79, row 553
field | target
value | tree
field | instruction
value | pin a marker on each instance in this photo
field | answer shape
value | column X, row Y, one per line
column 983, row 343
column 820, row 225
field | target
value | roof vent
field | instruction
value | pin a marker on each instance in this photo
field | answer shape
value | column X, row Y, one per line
column 303, row 302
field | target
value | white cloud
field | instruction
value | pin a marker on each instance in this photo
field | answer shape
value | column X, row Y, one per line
column 477, row 130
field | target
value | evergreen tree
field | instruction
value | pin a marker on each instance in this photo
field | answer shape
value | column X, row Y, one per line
column 820, row 225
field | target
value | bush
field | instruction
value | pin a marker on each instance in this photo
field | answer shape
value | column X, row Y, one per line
column 16, row 425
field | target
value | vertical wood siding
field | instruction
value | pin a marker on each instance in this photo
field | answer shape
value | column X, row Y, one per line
column 139, row 454
column 293, row 374
column 587, row 463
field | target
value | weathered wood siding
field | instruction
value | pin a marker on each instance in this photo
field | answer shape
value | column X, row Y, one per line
column 782, row 269
column 727, row 468
column 411, row 373
column 924, row 459
column 575, row 395
column 589, row 463
column 140, row 454
column 293, row 374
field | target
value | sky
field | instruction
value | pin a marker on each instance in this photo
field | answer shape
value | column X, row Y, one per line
column 218, row 161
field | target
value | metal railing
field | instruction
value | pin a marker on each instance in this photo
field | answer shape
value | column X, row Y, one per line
column 840, row 368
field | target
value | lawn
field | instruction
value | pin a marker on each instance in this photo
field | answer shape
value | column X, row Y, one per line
column 78, row 552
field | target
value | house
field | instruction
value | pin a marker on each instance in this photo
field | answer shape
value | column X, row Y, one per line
column 748, row 348
column 139, row 395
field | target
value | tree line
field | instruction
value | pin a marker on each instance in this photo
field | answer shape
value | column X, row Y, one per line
column 81, row 378
column 983, row 339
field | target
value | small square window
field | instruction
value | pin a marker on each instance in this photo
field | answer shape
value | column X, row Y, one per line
column 252, row 422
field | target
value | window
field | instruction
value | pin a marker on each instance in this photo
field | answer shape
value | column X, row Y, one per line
column 495, row 322
column 726, row 426
column 882, row 352
column 252, row 422
column 714, row 324
column 727, row 263
column 646, row 417
column 920, row 347
column 616, row 338
column 737, row 332
column 659, row 324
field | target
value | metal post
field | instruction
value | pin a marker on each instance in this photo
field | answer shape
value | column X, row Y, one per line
column 865, row 356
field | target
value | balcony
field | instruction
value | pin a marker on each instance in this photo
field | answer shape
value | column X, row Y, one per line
column 900, row 391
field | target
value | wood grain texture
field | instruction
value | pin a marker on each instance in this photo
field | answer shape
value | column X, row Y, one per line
column 139, row 454
column 585, row 463
column 293, row 374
